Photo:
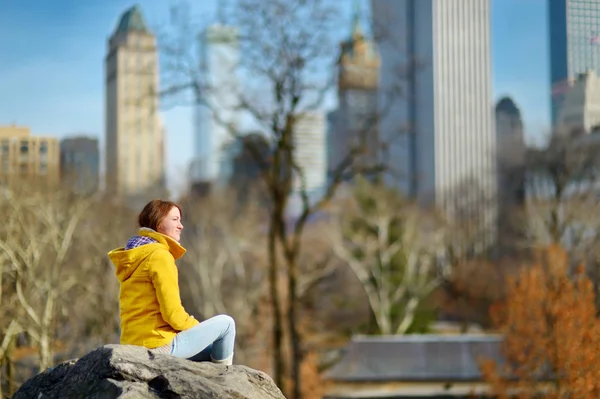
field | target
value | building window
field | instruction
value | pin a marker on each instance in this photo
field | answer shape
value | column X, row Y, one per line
column 43, row 169
column 24, row 147
column 43, row 147
column 5, row 147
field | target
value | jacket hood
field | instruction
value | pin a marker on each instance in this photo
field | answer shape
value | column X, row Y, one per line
column 126, row 261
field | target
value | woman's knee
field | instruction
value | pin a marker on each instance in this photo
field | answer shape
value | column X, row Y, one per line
column 227, row 320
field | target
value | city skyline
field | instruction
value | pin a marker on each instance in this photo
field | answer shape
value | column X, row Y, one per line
column 72, row 102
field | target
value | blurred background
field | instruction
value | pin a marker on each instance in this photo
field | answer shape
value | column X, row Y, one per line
column 393, row 198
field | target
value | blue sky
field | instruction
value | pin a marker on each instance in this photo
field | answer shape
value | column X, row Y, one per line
column 52, row 54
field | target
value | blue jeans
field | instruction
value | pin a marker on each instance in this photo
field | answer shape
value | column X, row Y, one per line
column 212, row 339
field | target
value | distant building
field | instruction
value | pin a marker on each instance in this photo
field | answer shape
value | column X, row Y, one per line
column 440, row 129
column 310, row 154
column 80, row 163
column 354, row 124
column 245, row 167
column 216, row 115
column 135, row 159
column 25, row 156
column 573, row 29
column 580, row 107
column 437, row 109
column 511, row 169
column 413, row 366
column 511, row 151
column 309, row 136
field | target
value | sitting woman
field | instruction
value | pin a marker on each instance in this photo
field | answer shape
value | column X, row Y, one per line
column 150, row 306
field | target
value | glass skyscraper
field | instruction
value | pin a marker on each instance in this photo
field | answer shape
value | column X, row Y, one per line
column 216, row 114
column 574, row 29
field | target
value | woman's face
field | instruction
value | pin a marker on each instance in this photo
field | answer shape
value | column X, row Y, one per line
column 171, row 225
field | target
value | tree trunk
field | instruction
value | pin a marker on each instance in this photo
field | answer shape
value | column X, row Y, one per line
column 10, row 369
column 277, row 331
column 45, row 351
column 3, row 363
column 296, row 347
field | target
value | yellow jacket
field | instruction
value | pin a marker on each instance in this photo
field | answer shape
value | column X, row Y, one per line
column 151, row 309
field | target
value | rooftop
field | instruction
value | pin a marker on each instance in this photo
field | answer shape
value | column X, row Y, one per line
column 507, row 105
column 416, row 358
column 132, row 20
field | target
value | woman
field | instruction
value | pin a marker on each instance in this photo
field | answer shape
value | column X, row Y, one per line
column 151, row 312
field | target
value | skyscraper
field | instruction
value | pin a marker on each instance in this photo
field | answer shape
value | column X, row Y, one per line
column 354, row 123
column 134, row 134
column 439, row 131
column 216, row 115
column 574, row 29
column 511, row 153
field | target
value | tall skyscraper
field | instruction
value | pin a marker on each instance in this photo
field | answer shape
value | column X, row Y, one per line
column 80, row 163
column 574, row 29
column 354, row 123
column 216, row 116
column 134, row 134
column 439, row 131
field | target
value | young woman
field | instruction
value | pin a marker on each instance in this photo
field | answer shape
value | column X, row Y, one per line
column 150, row 306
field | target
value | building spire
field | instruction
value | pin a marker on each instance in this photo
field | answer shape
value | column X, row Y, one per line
column 132, row 20
column 356, row 25
column 221, row 12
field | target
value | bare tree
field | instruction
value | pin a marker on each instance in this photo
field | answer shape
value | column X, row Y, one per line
column 394, row 248
column 471, row 210
column 97, row 314
column 9, row 323
column 225, row 265
column 562, row 182
column 284, row 45
column 9, row 315
column 562, row 206
column 37, row 247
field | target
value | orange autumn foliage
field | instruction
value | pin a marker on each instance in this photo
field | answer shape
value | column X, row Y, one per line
column 552, row 334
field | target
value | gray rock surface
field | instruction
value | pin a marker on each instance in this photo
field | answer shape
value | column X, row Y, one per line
column 123, row 371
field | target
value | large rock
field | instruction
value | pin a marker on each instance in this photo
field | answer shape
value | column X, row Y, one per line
column 123, row 371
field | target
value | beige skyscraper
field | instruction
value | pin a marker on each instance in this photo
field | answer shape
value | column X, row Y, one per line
column 134, row 134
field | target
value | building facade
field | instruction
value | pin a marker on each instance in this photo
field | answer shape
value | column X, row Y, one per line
column 216, row 114
column 310, row 154
column 574, row 29
column 135, row 154
column 354, row 124
column 580, row 107
column 511, row 152
column 439, row 132
column 310, row 151
column 25, row 156
column 80, row 163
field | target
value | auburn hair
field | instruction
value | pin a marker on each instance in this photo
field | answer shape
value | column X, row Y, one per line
column 155, row 212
